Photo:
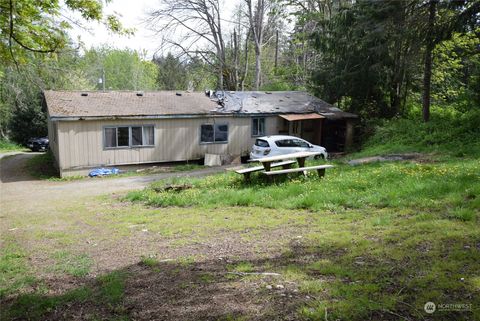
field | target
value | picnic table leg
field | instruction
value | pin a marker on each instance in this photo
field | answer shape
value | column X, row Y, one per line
column 321, row 172
column 301, row 163
column 247, row 177
column 266, row 165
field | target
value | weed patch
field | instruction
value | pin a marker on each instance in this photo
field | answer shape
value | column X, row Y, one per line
column 8, row 146
column 112, row 287
column 392, row 185
column 71, row 264
column 15, row 274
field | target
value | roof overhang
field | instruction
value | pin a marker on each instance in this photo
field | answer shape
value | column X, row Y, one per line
column 295, row 117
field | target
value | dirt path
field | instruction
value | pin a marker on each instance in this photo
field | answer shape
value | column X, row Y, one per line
column 18, row 186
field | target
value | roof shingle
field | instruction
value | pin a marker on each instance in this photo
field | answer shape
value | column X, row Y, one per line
column 82, row 104
column 126, row 103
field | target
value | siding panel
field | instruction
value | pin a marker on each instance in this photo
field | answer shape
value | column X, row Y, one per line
column 80, row 143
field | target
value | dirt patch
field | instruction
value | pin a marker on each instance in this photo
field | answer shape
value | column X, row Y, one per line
column 417, row 157
column 46, row 218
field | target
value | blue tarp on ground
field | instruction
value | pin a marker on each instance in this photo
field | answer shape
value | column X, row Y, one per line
column 103, row 172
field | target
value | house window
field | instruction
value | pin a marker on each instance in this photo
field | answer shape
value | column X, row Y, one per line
column 128, row 136
column 258, row 126
column 123, row 137
column 214, row 133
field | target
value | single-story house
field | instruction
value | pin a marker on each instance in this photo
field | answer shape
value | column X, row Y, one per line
column 96, row 128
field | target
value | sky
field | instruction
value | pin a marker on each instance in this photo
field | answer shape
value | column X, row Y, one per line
column 131, row 14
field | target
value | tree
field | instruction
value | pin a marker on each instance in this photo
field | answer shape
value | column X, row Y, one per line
column 21, row 102
column 38, row 27
column 192, row 23
column 123, row 69
column 256, row 16
column 430, row 45
column 444, row 18
column 172, row 73
column 368, row 56
column 456, row 76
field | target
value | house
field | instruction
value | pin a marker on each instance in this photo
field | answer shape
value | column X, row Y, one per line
column 95, row 128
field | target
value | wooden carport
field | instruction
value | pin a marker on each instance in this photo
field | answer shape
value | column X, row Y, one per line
column 307, row 126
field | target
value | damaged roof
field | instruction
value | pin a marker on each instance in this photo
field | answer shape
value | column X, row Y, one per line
column 280, row 102
column 99, row 104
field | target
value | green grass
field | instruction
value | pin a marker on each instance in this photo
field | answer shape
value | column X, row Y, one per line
column 35, row 306
column 71, row 264
column 149, row 261
column 15, row 273
column 43, row 166
column 384, row 238
column 242, row 267
column 112, row 287
column 8, row 146
column 109, row 290
column 392, row 185
column 449, row 132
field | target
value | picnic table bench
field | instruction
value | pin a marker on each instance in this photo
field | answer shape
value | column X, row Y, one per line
column 247, row 171
column 320, row 170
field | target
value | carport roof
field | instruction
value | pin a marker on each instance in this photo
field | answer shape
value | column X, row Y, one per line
column 294, row 117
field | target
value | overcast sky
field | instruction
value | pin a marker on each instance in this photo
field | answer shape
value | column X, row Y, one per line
column 131, row 13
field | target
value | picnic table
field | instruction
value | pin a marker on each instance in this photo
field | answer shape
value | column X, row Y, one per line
column 268, row 163
column 299, row 156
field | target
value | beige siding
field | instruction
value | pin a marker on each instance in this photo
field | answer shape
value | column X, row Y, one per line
column 81, row 142
column 53, row 139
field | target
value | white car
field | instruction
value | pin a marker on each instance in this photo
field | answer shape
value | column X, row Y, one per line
column 280, row 145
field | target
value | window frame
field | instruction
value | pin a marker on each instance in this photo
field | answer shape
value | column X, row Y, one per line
column 214, row 129
column 130, row 146
column 258, row 126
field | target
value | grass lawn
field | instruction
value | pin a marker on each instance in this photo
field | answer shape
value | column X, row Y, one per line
column 7, row 146
column 372, row 242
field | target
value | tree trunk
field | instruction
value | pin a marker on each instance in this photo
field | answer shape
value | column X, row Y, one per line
column 220, row 78
column 258, row 66
column 276, row 49
column 427, row 73
column 235, row 59
column 245, row 70
column 256, row 25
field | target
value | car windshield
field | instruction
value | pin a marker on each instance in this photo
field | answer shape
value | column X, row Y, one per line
column 261, row 143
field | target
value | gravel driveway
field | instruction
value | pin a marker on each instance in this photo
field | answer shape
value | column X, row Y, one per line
column 18, row 186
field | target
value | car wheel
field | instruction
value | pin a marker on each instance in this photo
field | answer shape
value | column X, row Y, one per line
column 318, row 157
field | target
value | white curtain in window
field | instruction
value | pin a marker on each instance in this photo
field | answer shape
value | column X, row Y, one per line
column 148, row 134
column 110, row 137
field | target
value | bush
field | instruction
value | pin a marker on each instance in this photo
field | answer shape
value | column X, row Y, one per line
column 449, row 132
column 8, row 146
